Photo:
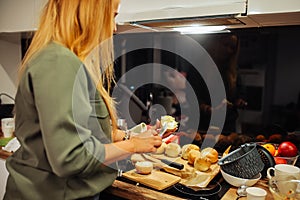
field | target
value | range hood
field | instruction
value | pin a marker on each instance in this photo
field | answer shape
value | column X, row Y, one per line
column 155, row 14
column 158, row 15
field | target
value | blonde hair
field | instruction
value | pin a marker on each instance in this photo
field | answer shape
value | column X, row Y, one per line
column 80, row 25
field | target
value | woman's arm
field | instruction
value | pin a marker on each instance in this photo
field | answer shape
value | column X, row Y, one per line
column 118, row 136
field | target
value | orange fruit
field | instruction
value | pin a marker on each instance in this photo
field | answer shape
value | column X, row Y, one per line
column 270, row 147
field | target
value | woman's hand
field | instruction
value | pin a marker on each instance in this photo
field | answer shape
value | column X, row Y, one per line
column 145, row 142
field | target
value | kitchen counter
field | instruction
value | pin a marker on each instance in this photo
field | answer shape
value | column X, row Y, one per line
column 125, row 190
column 122, row 189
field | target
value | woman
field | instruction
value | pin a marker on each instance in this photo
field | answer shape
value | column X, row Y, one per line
column 65, row 118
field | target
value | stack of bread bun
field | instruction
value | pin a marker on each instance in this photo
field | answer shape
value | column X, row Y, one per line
column 200, row 159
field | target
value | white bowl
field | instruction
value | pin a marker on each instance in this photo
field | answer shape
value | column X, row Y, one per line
column 237, row 182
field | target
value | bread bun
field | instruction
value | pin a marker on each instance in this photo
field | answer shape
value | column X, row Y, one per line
column 192, row 156
column 187, row 148
column 211, row 154
column 173, row 150
column 161, row 149
column 202, row 164
column 144, row 167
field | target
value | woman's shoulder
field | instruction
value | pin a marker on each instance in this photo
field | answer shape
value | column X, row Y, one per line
column 54, row 56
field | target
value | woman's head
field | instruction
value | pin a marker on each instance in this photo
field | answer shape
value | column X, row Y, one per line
column 80, row 25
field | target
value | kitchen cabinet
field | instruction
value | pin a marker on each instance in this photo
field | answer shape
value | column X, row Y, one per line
column 19, row 16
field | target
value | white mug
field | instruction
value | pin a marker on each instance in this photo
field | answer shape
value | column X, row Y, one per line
column 255, row 193
column 8, row 127
column 142, row 127
column 284, row 172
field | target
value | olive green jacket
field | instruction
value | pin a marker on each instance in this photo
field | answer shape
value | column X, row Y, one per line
column 62, row 124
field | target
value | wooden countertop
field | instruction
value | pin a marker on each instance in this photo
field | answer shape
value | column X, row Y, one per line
column 130, row 191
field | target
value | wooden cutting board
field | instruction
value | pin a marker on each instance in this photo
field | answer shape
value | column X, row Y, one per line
column 157, row 179
column 196, row 179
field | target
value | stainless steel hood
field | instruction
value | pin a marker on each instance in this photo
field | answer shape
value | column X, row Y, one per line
column 159, row 15
column 156, row 14
column 144, row 10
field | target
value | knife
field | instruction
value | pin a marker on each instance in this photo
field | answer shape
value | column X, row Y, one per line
column 173, row 164
column 164, row 161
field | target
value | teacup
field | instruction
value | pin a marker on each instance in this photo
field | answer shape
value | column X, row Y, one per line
column 282, row 173
column 142, row 127
column 255, row 193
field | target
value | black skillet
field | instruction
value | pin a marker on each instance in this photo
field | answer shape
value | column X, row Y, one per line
column 267, row 159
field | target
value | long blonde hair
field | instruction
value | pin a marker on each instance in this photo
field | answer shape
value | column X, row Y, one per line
column 80, row 25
